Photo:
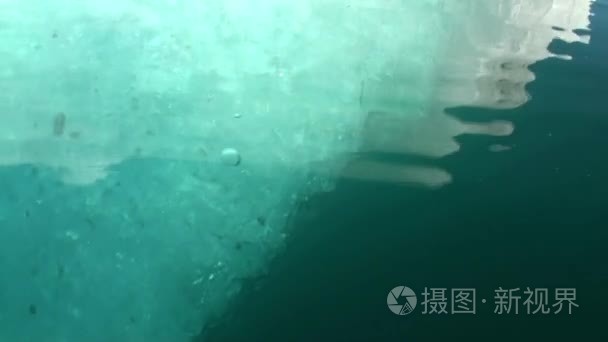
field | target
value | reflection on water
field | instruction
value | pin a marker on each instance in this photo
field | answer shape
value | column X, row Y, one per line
column 159, row 149
column 114, row 89
column 486, row 65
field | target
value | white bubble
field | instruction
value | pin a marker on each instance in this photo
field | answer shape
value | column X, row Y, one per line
column 231, row 156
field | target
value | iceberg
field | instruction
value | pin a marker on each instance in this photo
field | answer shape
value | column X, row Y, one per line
column 153, row 151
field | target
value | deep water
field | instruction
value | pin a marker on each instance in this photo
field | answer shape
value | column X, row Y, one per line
column 532, row 216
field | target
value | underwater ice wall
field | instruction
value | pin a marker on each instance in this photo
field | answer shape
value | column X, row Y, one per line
column 152, row 151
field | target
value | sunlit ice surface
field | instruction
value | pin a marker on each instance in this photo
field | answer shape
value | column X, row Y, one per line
column 152, row 151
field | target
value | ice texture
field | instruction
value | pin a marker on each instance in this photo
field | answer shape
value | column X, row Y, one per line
column 152, row 151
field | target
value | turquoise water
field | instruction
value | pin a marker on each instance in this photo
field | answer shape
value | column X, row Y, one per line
column 155, row 187
column 533, row 216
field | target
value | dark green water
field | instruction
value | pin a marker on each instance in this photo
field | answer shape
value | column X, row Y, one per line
column 534, row 216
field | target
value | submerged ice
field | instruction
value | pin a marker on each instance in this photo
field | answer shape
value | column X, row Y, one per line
column 152, row 151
